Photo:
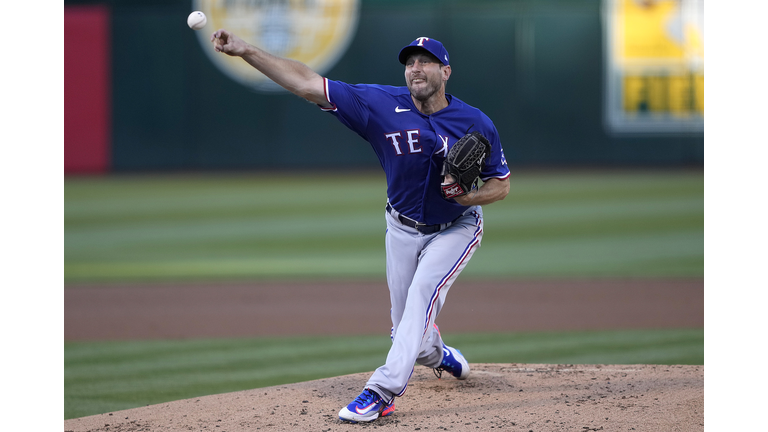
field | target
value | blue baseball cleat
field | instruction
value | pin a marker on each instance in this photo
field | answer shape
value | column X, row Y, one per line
column 367, row 407
column 454, row 363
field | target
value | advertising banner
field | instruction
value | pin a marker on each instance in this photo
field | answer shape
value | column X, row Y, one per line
column 316, row 33
column 654, row 78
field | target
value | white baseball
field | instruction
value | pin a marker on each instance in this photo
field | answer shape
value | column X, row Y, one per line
column 196, row 20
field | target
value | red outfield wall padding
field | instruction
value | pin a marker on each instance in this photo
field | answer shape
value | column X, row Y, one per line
column 87, row 89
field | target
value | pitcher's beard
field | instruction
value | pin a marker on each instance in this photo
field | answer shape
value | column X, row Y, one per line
column 423, row 93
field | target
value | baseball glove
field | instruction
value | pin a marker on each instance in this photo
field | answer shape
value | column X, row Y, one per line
column 464, row 163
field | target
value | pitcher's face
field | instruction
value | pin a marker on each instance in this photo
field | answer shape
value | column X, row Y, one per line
column 425, row 75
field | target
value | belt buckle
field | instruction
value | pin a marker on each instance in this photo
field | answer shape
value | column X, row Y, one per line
column 416, row 224
column 402, row 218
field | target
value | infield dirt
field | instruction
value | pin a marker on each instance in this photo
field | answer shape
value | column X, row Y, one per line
column 514, row 397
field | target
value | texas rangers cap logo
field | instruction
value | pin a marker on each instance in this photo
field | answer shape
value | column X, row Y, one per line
column 316, row 33
column 434, row 46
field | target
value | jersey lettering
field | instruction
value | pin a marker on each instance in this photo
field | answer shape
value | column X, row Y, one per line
column 392, row 137
column 413, row 141
column 444, row 148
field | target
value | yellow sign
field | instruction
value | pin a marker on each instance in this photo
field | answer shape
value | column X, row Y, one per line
column 655, row 65
column 316, row 33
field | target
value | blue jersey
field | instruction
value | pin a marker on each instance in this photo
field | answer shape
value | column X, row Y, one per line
column 412, row 146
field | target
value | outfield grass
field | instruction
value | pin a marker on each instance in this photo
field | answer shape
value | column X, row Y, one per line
column 588, row 224
column 254, row 227
column 110, row 376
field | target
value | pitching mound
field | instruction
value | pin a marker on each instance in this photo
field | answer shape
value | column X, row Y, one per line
column 514, row 397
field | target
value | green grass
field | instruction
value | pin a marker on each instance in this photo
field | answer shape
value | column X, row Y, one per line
column 253, row 227
column 578, row 224
column 108, row 376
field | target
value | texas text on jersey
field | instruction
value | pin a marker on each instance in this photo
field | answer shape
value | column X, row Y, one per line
column 411, row 146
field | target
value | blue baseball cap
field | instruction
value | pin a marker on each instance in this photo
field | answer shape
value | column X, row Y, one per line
column 433, row 46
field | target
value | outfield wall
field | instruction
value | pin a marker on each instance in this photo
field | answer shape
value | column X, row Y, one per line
column 535, row 67
column 87, row 89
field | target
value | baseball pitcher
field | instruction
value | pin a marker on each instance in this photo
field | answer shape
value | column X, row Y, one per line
column 434, row 149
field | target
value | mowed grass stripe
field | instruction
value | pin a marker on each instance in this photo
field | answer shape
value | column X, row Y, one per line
column 355, row 265
column 579, row 219
column 107, row 376
column 172, row 198
column 668, row 346
column 677, row 254
column 557, row 186
column 575, row 224
column 185, row 233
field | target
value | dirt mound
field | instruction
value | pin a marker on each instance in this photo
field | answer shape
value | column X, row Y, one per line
column 514, row 397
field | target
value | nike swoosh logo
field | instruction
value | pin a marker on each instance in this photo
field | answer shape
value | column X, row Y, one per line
column 366, row 409
column 399, row 110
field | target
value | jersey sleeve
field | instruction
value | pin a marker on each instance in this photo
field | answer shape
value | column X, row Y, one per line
column 348, row 104
column 496, row 164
